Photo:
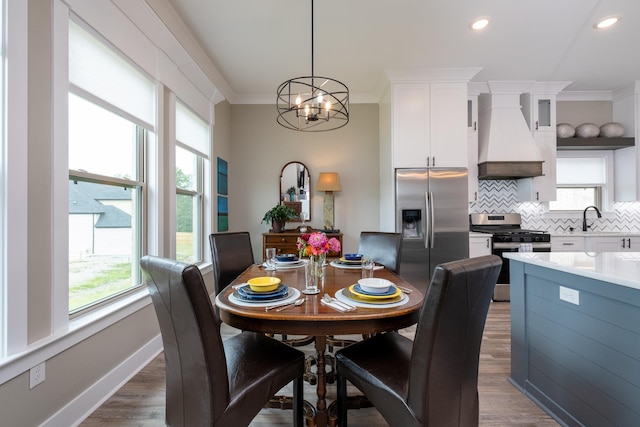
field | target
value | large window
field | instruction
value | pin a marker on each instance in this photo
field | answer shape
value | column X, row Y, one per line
column 192, row 141
column 188, row 206
column 582, row 179
column 105, row 203
column 111, row 118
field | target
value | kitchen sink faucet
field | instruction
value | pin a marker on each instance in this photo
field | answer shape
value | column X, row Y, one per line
column 584, row 217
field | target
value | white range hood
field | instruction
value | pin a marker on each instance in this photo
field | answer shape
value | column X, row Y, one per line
column 506, row 149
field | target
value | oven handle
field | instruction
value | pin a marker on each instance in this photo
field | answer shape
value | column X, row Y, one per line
column 516, row 245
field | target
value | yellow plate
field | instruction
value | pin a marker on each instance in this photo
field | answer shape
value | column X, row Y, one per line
column 347, row 293
column 263, row 284
column 348, row 261
column 373, row 297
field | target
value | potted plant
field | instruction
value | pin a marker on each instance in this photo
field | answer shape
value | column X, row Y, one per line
column 291, row 192
column 278, row 216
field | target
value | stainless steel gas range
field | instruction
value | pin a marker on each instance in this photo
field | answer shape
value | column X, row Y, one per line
column 508, row 236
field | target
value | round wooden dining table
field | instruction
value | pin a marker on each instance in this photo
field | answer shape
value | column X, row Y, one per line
column 313, row 318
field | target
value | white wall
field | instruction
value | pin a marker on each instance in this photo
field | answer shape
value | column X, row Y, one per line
column 260, row 148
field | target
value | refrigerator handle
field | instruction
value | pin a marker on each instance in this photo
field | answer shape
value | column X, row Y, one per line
column 428, row 209
column 427, row 231
column 432, row 232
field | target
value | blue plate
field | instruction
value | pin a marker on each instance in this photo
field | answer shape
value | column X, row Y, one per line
column 390, row 291
column 246, row 293
column 286, row 258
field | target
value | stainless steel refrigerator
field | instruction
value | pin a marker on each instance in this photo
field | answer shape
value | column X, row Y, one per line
column 432, row 213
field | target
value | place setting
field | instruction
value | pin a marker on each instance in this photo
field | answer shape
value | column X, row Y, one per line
column 355, row 262
column 373, row 292
column 282, row 261
column 266, row 292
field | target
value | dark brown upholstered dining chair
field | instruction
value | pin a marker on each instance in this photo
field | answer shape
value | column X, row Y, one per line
column 432, row 381
column 211, row 382
column 384, row 248
column 231, row 254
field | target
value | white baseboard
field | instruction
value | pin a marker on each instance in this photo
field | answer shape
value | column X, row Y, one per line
column 88, row 401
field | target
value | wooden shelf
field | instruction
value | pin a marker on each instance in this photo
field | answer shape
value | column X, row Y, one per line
column 595, row 143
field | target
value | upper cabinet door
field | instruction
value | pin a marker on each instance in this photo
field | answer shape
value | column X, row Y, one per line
column 449, row 125
column 429, row 125
column 544, row 113
column 539, row 111
column 410, row 111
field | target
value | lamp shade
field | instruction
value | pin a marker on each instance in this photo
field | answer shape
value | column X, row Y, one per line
column 329, row 181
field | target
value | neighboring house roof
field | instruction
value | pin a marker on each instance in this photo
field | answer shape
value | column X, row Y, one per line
column 113, row 218
column 84, row 200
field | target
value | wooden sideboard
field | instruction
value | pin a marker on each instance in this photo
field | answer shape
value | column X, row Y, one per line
column 285, row 243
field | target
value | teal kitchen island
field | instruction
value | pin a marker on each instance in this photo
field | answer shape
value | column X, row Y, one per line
column 575, row 335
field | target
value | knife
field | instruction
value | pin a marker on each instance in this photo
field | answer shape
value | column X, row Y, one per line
column 271, row 307
column 334, row 306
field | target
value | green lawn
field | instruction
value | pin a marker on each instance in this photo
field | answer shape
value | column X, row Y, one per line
column 109, row 280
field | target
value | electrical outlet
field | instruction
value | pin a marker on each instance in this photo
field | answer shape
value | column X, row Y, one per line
column 570, row 295
column 36, row 375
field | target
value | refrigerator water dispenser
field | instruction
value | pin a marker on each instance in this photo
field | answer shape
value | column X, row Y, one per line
column 411, row 223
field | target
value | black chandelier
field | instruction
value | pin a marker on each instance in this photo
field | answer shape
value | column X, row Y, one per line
column 313, row 103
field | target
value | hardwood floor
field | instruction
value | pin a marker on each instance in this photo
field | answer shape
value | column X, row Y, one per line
column 140, row 402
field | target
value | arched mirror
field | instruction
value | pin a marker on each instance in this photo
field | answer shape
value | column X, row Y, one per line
column 295, row 189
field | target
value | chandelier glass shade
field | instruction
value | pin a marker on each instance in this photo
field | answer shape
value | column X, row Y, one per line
column 313, row 103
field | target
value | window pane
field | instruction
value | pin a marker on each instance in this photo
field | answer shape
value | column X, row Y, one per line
column 186, row 169
column 103, row 241
column 188, row 242
column 100, row 141
column 575, row 199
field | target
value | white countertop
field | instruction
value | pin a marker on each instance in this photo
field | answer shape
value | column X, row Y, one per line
column 597, row 234
column 620, row 268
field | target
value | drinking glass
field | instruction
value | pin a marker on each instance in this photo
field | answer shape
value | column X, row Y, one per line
column 367, row 267
column 312, row 271
column 270, row 254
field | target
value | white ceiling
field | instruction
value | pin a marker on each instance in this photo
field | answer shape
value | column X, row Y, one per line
column 257, row 44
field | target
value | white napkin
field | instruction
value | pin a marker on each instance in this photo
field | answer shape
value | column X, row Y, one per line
column 333, row 305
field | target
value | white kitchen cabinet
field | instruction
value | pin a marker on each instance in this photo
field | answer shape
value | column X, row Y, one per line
column 429, row 124
column 567, row 243
column 472, row 146
column 626, row 110
column 479, row 245
column 613, row 244
column 539, row 105
column 540, row 111
column 591, row 243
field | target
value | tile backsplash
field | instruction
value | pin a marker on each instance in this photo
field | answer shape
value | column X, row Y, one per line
column 497, row 196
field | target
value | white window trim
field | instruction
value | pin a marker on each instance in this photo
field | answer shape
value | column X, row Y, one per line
column 14, row 179
column 65, row 332
column 607, row 193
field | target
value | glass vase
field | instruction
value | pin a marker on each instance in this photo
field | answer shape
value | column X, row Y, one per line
column 315, row 273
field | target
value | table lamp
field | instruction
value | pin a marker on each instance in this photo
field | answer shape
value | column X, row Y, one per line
column 328, row 182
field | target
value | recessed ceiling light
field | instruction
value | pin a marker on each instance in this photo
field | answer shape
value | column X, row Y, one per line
column 479, row 24
column 606, row 22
